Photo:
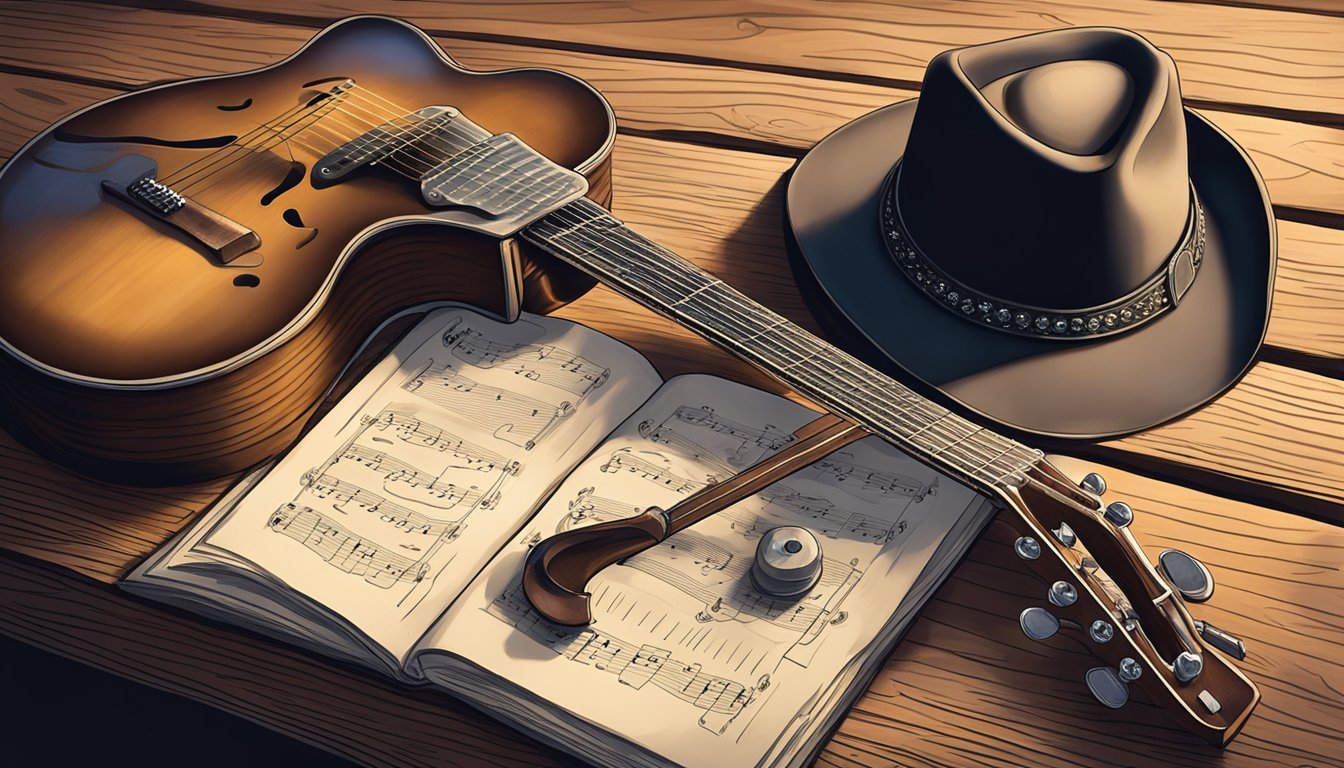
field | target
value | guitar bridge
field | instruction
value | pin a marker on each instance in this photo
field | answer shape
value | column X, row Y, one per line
column 223, row 237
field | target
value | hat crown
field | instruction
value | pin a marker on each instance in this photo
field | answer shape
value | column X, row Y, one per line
column 1072, row 106
column 1049, row 170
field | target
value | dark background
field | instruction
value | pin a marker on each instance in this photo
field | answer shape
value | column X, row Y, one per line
column 60, row 712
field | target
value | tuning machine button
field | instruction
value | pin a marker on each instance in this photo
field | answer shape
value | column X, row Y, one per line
column 1101, row 631
column 1187, row 666
column 1065, row 535
column 1130, row 670
column 1038, row 623
column 1223, row 641
column 1119, row 514
column 1187, row 575
column 1027, row 548
column 1106, row 685
column 1063, row 594
column 1094, row 484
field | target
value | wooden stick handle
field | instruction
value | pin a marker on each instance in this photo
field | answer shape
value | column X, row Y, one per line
column 558, row 569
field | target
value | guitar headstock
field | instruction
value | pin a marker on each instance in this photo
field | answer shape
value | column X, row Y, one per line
column 1097, row 582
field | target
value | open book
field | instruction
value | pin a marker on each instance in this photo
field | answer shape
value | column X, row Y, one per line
column 393, row 535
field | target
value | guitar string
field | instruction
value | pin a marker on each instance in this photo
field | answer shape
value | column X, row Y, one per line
column 326, row 110
column 231, row 147
column 241, row 144
column 409, row 142
column 274, row 134
column 936, row 428
column 957, row 441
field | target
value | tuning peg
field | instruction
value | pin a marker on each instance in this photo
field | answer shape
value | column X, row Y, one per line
column 1187, row 666
column 1223, row 641
column 1107, row 686
column 1101, row 631
column 1094, row 484
column 1065, row 535
column 1119, row 513
column 1038, row 623
column 1187, row 575
column 1027, row 548
column 1130, row 670
column 1063, row 594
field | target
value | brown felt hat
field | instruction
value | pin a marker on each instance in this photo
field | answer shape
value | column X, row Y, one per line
column 1046, row 236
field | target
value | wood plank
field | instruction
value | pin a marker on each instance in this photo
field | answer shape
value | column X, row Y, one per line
column 964, row 687
column 1228, row 55
column 763, row 111
column 1323, row 7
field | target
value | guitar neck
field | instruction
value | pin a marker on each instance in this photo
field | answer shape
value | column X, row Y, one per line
column 588, row 237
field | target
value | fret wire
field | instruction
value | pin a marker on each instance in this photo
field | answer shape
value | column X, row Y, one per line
column 1023, row 452
column 962, row 442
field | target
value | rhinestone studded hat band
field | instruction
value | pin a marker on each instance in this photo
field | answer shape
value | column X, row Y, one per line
column 1155, row 297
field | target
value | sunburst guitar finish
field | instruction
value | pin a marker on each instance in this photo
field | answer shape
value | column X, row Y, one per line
column 178, row 287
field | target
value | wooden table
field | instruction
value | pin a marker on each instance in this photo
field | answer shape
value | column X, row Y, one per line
column 716, row 100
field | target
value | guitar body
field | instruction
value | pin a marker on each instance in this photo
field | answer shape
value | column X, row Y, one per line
column 134, row 351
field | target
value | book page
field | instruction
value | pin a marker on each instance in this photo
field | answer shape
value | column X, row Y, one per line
column 684, row 657
column 398, row 497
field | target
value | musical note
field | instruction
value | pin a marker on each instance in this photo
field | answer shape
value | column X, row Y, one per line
column 541, row 363
column 406, row 482
column 625, row 460
column 411, row 429
column 720, row 700
column 509, row 416
column 767, row 437
column 587, row 508
column 402, row 519
column 858, row 480
column 823, row 516
column 343, row 550
column 685, row 446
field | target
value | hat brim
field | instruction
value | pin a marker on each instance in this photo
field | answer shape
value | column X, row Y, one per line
column 1077, row 390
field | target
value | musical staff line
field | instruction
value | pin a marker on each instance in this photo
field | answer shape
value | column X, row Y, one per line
column 542, row 363
column 509, row 416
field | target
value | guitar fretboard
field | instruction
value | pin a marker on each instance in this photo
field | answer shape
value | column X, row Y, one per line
column 587, row 236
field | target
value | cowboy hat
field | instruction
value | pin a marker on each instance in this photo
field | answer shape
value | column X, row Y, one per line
column 1045, row 237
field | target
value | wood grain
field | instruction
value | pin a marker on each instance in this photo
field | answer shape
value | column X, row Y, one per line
column 1232, row 56
column 770, row 112
column 964, row 687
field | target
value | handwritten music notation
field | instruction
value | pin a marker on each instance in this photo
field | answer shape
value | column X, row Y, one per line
column 509, row 416
column 538, row 362
column 652, row 467
column 406, row 482
column 403, row 520
column 587, row 509
column 716, row 578
column 411, row 429
column 828, row 520
column 859, row 480
column 344, row 550
column 719, row 699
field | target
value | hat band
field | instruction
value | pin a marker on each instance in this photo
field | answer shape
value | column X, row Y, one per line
column 1155, row 297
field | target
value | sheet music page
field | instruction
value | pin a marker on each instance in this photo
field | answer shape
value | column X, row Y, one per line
column 684, row 657
column 399, row 496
